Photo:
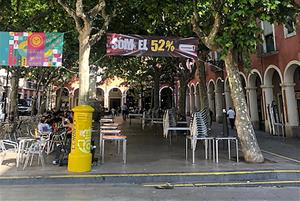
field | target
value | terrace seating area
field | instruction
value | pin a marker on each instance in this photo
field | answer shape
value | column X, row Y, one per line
column 121, row 141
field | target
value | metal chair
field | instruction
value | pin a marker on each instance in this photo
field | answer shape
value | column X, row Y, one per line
column 199, row 132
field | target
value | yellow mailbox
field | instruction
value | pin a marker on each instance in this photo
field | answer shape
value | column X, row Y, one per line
column 80, row 158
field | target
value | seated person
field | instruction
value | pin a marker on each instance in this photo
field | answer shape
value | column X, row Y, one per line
column 67, row 123
column 63, row 149
column 43, row 126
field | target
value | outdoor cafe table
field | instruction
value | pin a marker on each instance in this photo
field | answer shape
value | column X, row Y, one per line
column 110, row 124
column 134, row 115
column 109, row 127
column 106, row 120
column 108, row 132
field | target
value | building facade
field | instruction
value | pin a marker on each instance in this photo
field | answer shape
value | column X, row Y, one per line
column 271, row 86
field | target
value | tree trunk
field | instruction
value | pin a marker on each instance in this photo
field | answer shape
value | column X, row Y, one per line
column 13, row 106
column 182, row 99
column 202, row 84
column 58, row 99
column 43, row 102
column 34, row 107
column 243, row 124
column 156, row 95
column 92, row 89
column 84, row 69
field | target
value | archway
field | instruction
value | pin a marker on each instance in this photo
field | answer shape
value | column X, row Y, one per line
column 100, row 96
column 228, row 99
column 244, row 84
column 255, row 100
column 211, row 98
column 75, row 97
column 166, row 98
column 114, row 97
column 273, row 98
column 219, row 98
column 291, row 95
column 62, row 99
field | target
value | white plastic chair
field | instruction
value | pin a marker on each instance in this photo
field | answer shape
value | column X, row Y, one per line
column 46, row 138
column 24, row 144
column 57, row 138
column 36, row 148
column 7, row 146
column 167, row 128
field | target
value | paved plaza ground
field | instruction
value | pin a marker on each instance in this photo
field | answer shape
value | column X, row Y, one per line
column 148, row 152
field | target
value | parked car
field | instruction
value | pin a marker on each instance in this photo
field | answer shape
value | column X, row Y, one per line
column 24, row 109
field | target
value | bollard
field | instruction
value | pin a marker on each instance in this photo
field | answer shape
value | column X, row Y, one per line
column 80, row 158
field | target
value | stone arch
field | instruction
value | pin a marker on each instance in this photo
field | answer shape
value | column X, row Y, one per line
column 290, row 70
column 114, row 98
column 100, row 95
column 164, row 88
column 269, row 74
column 273, row 99
column 166, row 97
column 211, row 97
column 211, row 83
column 251, row 82
column 227, row 93
column 255, row 97
column 62, row 100
column 226, row 84
column 290, row 91
column 244, row 84
column 244, row 78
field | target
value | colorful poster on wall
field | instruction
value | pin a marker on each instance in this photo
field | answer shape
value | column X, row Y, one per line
column 156, row 46
column 31, row 49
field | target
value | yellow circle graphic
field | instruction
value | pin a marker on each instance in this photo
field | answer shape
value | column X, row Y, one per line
column 36, row 40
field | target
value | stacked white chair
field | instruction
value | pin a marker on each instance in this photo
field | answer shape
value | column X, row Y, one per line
column 199, row 132
column 167, row 128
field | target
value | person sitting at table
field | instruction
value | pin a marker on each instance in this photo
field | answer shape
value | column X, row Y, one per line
column 62, row 150
column 67, row 122
column 43, row 126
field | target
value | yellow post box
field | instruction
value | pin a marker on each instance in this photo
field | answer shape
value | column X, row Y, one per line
column 80, row 158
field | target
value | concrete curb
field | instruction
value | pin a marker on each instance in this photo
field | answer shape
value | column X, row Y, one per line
column 196, row 178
